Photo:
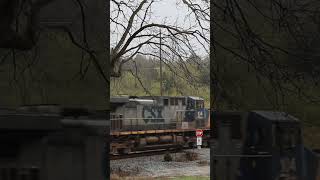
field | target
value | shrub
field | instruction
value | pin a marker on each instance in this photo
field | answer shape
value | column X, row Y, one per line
column 191, row 156
column 167, row 157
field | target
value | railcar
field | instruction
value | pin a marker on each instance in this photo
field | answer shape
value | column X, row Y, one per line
column 153, row 122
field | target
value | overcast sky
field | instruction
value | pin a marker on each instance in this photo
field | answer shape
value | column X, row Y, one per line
column 170, row 11
column 173, row 12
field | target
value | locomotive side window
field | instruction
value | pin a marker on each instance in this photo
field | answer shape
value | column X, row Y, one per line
column 176, row 103
column 202, row 104
column 259, row 137
column 179, row 101
column 286, row 137
column 166, row 102
column 199, row 104
column 172, row 101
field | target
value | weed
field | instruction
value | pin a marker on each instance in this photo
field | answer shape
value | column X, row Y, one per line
column 167, row 157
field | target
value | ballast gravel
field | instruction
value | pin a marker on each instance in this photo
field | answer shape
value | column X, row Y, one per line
column 155, row 166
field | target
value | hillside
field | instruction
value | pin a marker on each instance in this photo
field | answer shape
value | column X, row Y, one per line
column 143, row 78
column 241, row 90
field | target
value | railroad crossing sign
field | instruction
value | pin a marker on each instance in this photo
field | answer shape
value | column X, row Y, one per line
column 199, row 132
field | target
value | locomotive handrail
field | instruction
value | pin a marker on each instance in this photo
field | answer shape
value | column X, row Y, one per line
column 135, row 118
column 172, row 120
column 191, row 110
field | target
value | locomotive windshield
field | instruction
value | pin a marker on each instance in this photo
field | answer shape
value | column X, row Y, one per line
column 195, row 109
column 199, row 104
column 195, row 103
column 287, row 137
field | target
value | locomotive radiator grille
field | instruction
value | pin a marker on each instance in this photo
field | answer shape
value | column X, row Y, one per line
column 116, row 122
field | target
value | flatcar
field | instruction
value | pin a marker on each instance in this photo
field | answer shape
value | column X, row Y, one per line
column 153, row 122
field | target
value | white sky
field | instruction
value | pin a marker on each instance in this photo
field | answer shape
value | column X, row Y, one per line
column 171, row 12
column 169, row 9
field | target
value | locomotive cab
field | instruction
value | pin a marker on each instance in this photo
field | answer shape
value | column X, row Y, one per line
column 195, row 113
column 277, row 135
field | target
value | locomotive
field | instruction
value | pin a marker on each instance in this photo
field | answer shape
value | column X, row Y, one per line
column 156, row 122
column 260, row 145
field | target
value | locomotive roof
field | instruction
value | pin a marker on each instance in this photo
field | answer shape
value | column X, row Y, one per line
column 151, row 97
column 143, row 101
column 195, row 98
column 275, row 115
column 119, row 99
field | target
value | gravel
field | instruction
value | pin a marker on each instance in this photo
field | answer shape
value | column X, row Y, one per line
column 154, row 166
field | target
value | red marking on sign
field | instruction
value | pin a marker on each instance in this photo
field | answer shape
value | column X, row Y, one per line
column 199, row 132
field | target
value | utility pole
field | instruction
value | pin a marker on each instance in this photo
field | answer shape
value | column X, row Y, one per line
column 135, row 79
column 160, row 66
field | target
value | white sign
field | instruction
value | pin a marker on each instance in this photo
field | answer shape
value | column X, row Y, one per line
column 199, row 141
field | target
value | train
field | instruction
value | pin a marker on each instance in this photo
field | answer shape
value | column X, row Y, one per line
column 260, row 145
column 141, row 123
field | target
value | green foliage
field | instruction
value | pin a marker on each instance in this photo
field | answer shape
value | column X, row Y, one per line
column 175, row 82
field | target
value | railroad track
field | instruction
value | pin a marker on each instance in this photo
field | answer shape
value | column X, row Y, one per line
column 144, row 153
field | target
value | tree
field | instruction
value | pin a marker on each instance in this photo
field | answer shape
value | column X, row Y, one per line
column 52, row 48
column 19, row 25
column 139, row 34
column 131, row 21
column 270, row 38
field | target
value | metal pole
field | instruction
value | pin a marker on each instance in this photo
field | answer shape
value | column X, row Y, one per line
column 160, row 66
